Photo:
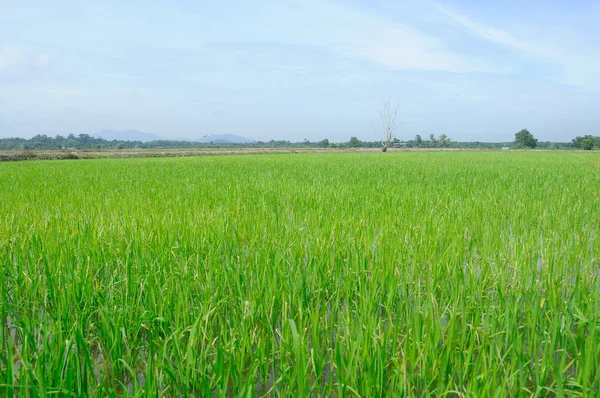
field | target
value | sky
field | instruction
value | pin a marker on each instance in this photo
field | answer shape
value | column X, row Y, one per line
column 301, row 69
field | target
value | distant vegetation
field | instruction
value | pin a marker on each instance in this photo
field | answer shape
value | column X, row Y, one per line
column 586, row 142
column 524, row 139
column 87, row 142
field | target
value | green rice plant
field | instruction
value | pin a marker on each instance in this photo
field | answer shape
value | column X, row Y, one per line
column 331, row 274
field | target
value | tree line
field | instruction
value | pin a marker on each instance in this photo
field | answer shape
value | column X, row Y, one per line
column 523, row 139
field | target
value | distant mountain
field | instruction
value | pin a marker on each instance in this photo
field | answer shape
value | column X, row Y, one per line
column 126, row 135
column 225, row 139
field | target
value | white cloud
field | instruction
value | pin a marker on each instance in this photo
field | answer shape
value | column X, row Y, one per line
column 43, row 59
column 121, row 76
column 66, row 92
column 412, row 58
column 9, row 57
column 15, row 58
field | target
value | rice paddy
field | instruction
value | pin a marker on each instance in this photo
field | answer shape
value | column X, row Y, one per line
column 362, row 274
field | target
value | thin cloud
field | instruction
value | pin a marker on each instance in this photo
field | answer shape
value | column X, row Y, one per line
column 410, row 58
column 574, row 63
column 121, row 76
column 66, row 92
column 392, row 44
column 9, row 57
column 43, row 59
column 18, row 58
column 490, row 33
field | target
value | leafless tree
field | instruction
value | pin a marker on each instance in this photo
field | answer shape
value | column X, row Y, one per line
column 388, row 114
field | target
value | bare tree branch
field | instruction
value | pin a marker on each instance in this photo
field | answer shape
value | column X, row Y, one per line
column 387, row 115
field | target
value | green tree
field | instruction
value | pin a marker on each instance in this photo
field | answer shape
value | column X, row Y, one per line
column 524, row 139
column 354, row 142
column 84, row 138
column 587, row 144
column 443, row 141
column 577, row 142
column 432, row 141
column 418, row 140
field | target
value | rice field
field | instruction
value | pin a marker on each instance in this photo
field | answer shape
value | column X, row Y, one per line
column 364, row 274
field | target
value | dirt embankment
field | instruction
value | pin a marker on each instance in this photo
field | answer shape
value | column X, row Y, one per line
column 156, row 153
column 149, row 153
column 12, row 155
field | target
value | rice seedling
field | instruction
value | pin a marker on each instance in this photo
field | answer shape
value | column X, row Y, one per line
column 363, row 274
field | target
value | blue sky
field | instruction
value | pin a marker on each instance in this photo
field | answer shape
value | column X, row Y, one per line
column 300, row 69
